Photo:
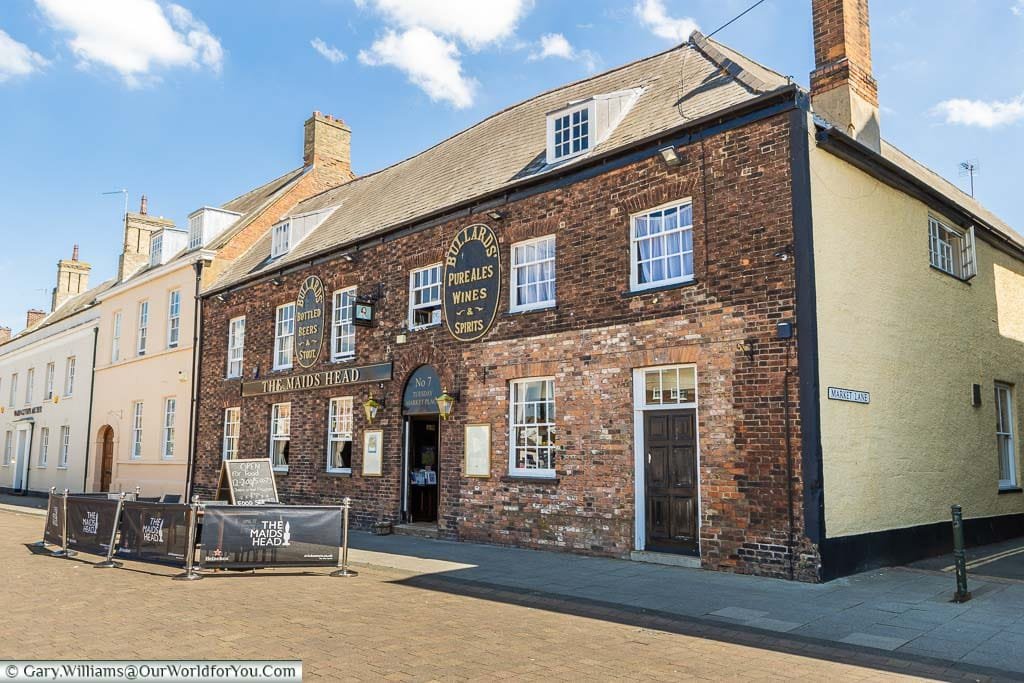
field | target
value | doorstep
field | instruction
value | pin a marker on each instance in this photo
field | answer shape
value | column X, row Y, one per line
column 669, row 559
column 420, row 529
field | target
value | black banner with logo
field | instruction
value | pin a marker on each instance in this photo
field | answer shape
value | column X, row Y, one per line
column 154, row 532
column 90, row 523
column 53, row 533
column 245, row 537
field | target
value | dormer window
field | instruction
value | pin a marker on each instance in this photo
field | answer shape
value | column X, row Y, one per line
column 156, row 250
column 572, row 133
column 207, row 223
column 165, row 244
column 584, row 124
column 195, row 232
column 280, row 240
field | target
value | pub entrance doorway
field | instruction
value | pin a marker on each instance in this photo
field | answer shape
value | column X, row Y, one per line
column 421, row 462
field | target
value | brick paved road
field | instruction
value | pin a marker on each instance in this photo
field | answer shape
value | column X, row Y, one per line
column 381, row 625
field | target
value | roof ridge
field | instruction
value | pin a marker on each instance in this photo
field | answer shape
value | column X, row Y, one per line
column 713, row 50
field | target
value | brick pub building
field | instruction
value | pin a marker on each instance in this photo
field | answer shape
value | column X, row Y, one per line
column 614, row 282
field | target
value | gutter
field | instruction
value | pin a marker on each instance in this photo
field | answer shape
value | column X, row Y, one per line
column 874, row 164
column 197, row 360
column 88, row 424
column 774, row 102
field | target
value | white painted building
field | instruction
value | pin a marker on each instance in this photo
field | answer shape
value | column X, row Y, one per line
column 46, row 382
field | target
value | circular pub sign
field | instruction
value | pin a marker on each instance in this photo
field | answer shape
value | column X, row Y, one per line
column 472, row 282
column 309, row 321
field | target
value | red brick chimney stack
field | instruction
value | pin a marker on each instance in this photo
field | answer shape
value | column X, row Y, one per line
column 74, row 253
column 327, row 146
column 843, row 90
column 5, row 335
column 143, row 205
column 33, row 316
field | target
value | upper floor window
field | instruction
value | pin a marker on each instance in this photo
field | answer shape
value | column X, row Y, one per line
column 532, row 427
column 13, row 390
column 140, row 348
column 232, row 422
column 343, row 332
column 51, row 369
column 1005, row 422
column 952, row 250
column 339, row 435
column 284, row 336
column 236, row 346
column 569, row 132
column 661, row 245
column 115, row 339
column 425, row 297
column 167, row 437
column 30, row 380
column 173, row 319
column 69, row 376
column 280, row 240
column 533, row 274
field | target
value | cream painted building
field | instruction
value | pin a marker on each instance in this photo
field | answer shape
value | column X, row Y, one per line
column 142, row 410
column 45, row 389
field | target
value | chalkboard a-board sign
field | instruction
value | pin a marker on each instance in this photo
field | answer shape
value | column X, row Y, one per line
column 249, row 482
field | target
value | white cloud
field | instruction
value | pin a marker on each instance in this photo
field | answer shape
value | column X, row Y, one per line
column 981, row 113
column 16, row 59
column 473, row 22
column 654, row 16
column 328, row 52
column 429, row 61
column 1018, row 8
column 557, row 45
column 133, row 36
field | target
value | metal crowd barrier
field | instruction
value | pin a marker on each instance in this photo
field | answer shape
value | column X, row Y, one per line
column 57, row 525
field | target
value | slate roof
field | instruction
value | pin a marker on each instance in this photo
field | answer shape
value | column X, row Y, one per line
column 70, row 307
column 685, row 83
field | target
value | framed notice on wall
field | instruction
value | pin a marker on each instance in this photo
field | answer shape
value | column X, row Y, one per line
column 478, row 450
column 373, row 447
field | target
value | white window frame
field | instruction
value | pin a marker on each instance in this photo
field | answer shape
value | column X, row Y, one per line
column 51, row 370
column 342, row 328
column 143, row 329
column 65, row 447
column 276, row 435
column 280, row 240
column 424, row 305
column 284, row 342
column 8, row 440
column 952, row 250
column 513, row 290
column 69, row 377
column 339, row 428
column 173, row 318
column 168, row 431
column 1005, row 435
column 115, row 338
column 665, row 399
column 236, row 347
column 232, row 428
column 13, row 398
column 44, row 446
column 30, row 380
column 591, row 135
column 195, row 232
column 538, row 472
column 634, row 247
column 156, row 248
column 136, row 452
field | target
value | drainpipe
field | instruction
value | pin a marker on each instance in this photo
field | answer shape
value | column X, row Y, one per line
column 88, row 424
column 193, row 414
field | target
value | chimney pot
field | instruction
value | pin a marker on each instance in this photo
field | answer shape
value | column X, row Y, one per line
column 74, row 253
column 143, row 205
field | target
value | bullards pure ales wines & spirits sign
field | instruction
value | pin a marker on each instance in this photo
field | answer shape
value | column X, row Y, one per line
column 309, row 321
column 472, row 282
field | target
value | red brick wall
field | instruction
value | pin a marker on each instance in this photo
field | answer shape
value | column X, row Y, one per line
column 590, row 342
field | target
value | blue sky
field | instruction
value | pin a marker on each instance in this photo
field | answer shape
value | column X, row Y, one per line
column 194, row 103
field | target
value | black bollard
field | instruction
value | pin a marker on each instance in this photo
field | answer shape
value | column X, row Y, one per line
column 959, row 556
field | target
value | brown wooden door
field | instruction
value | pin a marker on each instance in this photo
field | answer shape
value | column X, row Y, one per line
column 107, row 467
column 670, row 444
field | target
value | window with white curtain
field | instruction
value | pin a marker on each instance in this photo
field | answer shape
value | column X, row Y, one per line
column 339, row 435
column 236, row 346
column 280, row 434
column 661, row 244
column 533, row 274
column 532, row 422
column 232, row 422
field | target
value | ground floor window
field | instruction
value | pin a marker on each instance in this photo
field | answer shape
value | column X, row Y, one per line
column 280, row 434
column 232, row 421
column 170, row 408
column 65, row 446
column 339, row 435
column 7, row 447
column 137, row 430
column 532, row 427
column 1004, row 436
column 44, row 446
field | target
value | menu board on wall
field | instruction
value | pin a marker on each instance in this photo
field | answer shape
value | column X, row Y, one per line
column 478, row 450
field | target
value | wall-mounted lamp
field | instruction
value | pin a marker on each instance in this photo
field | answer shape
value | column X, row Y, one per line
column 785, row 253
column 746, row 347
column 445, row 404
column 276, row 282
column 670, row 156
column 221, row 298
column 495, row 215
column 371, row 408
column 350, row 257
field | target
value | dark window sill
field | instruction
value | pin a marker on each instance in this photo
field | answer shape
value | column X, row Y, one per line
column 654, row 290
column 1012, row 490
column 543, row 481
column 343, row 475
column 950, row 275
column 527, row 311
